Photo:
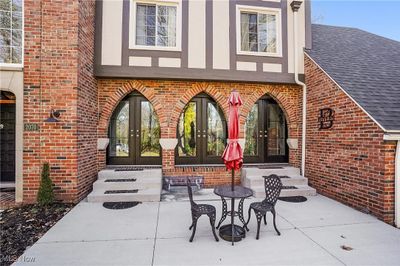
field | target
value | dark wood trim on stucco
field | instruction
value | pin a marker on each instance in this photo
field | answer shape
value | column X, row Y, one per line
column 194, row 74
column 125, row 33
column 308, row 24
column 185, row 34
column 126, row 71
column 98, row 35
column 209, row 34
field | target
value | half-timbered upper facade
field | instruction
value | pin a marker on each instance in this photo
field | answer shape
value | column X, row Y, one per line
column 231, row 40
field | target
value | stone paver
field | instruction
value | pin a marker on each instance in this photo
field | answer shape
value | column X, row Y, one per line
column 157, row 234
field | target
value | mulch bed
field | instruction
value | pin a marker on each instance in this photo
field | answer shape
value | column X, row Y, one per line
column 22, row 226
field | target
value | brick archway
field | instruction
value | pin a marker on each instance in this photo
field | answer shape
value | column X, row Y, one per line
column 115, row 98
column 285, row 103
column 216, row 95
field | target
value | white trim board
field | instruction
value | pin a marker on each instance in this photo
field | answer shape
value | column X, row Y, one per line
column 132, row 25
column 264, row 10
column 345, row 92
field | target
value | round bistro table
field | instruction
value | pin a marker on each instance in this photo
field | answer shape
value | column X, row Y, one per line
column 232, row 232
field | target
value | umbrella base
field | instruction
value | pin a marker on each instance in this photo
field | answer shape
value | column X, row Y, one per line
column 225, row 232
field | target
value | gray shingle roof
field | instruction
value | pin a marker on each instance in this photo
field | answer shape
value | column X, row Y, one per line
column 365, row 65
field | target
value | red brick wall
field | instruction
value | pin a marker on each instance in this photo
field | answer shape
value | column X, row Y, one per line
column 169, row 99
column 87, row 100
column 55, row 51
column 349, row 162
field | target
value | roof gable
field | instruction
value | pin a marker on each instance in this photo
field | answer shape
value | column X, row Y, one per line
column 365, row 65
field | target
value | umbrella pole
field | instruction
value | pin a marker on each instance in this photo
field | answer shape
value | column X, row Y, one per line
column 233, row 180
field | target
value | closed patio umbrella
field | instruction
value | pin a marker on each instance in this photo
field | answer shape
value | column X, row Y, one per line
column 233, row 154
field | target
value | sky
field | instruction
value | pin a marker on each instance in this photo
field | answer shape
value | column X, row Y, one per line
column 381, row 17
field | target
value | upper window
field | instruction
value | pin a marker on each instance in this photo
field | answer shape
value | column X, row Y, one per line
column 11, row 34
column 155, row 25
column 259, row 31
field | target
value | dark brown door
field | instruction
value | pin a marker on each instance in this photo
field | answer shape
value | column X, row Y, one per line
column 7, row 141
column 201, row 132
column 134, row 133
column 266, row 133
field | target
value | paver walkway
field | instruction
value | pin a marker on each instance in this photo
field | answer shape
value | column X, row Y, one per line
column 157, row 234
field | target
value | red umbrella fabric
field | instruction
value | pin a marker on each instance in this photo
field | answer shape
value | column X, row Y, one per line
column 233, row 154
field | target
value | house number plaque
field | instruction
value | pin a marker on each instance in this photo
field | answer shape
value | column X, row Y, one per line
column 31, row 127
column 326, row 118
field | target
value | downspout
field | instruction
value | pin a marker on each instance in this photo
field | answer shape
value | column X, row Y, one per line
column 295, row 7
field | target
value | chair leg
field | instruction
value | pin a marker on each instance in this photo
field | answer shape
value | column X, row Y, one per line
column 194, row 230
column 259, row 217
column 276, row 229
column 212, row 222
column 248, row 219
column 191, row 226
column 265, row 219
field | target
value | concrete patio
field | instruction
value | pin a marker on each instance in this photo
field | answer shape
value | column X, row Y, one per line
column 157, row 234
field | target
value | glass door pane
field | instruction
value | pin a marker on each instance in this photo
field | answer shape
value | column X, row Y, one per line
column 119, row 132
column 251, row 127
column 216, row 137
column 276, row 126
column 187, row 137
column 149, row 131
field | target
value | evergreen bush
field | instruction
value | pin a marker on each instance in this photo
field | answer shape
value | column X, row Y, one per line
column 45, row 194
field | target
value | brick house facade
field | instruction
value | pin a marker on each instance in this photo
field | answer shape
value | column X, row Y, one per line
column 174, row 95
column 351, row 162
column 59, row 74
column 82, row 64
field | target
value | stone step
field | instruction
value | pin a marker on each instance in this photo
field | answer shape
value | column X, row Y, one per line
column 143, row 195
column 127, row 183
column 148, row 183
column 250, row 181
column 112, row 173
column 281, row 171
column 302, row 190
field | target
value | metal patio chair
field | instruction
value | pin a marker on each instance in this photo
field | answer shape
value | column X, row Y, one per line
column 273, row 187
column 199, row 210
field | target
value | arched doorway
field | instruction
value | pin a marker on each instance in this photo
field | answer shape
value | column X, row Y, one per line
column 134, row 133
column 7, row 136
column 266, row 133
column 201, row 132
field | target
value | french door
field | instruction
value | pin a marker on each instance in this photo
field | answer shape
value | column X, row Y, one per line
column 7, row 142
column 134, row 133
column 201, row 132
column 266, row 133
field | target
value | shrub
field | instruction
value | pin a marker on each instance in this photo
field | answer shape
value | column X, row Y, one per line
column 45, row 194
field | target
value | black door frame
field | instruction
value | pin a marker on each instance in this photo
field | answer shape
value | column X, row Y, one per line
column 135, row 99
column 201, row 157
column 7, row 166
column 263, row 135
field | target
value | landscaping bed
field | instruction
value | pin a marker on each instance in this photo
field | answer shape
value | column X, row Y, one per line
column 22, row 226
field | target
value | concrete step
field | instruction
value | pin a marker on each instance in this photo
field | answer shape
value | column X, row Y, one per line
column 144, row 195
column 148, row 182
column 250, row 181
column 302, row 190
column 281, row 171
column 127, row 183
column 112, row 173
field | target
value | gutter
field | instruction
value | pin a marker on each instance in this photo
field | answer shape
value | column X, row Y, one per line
column 295, row 7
